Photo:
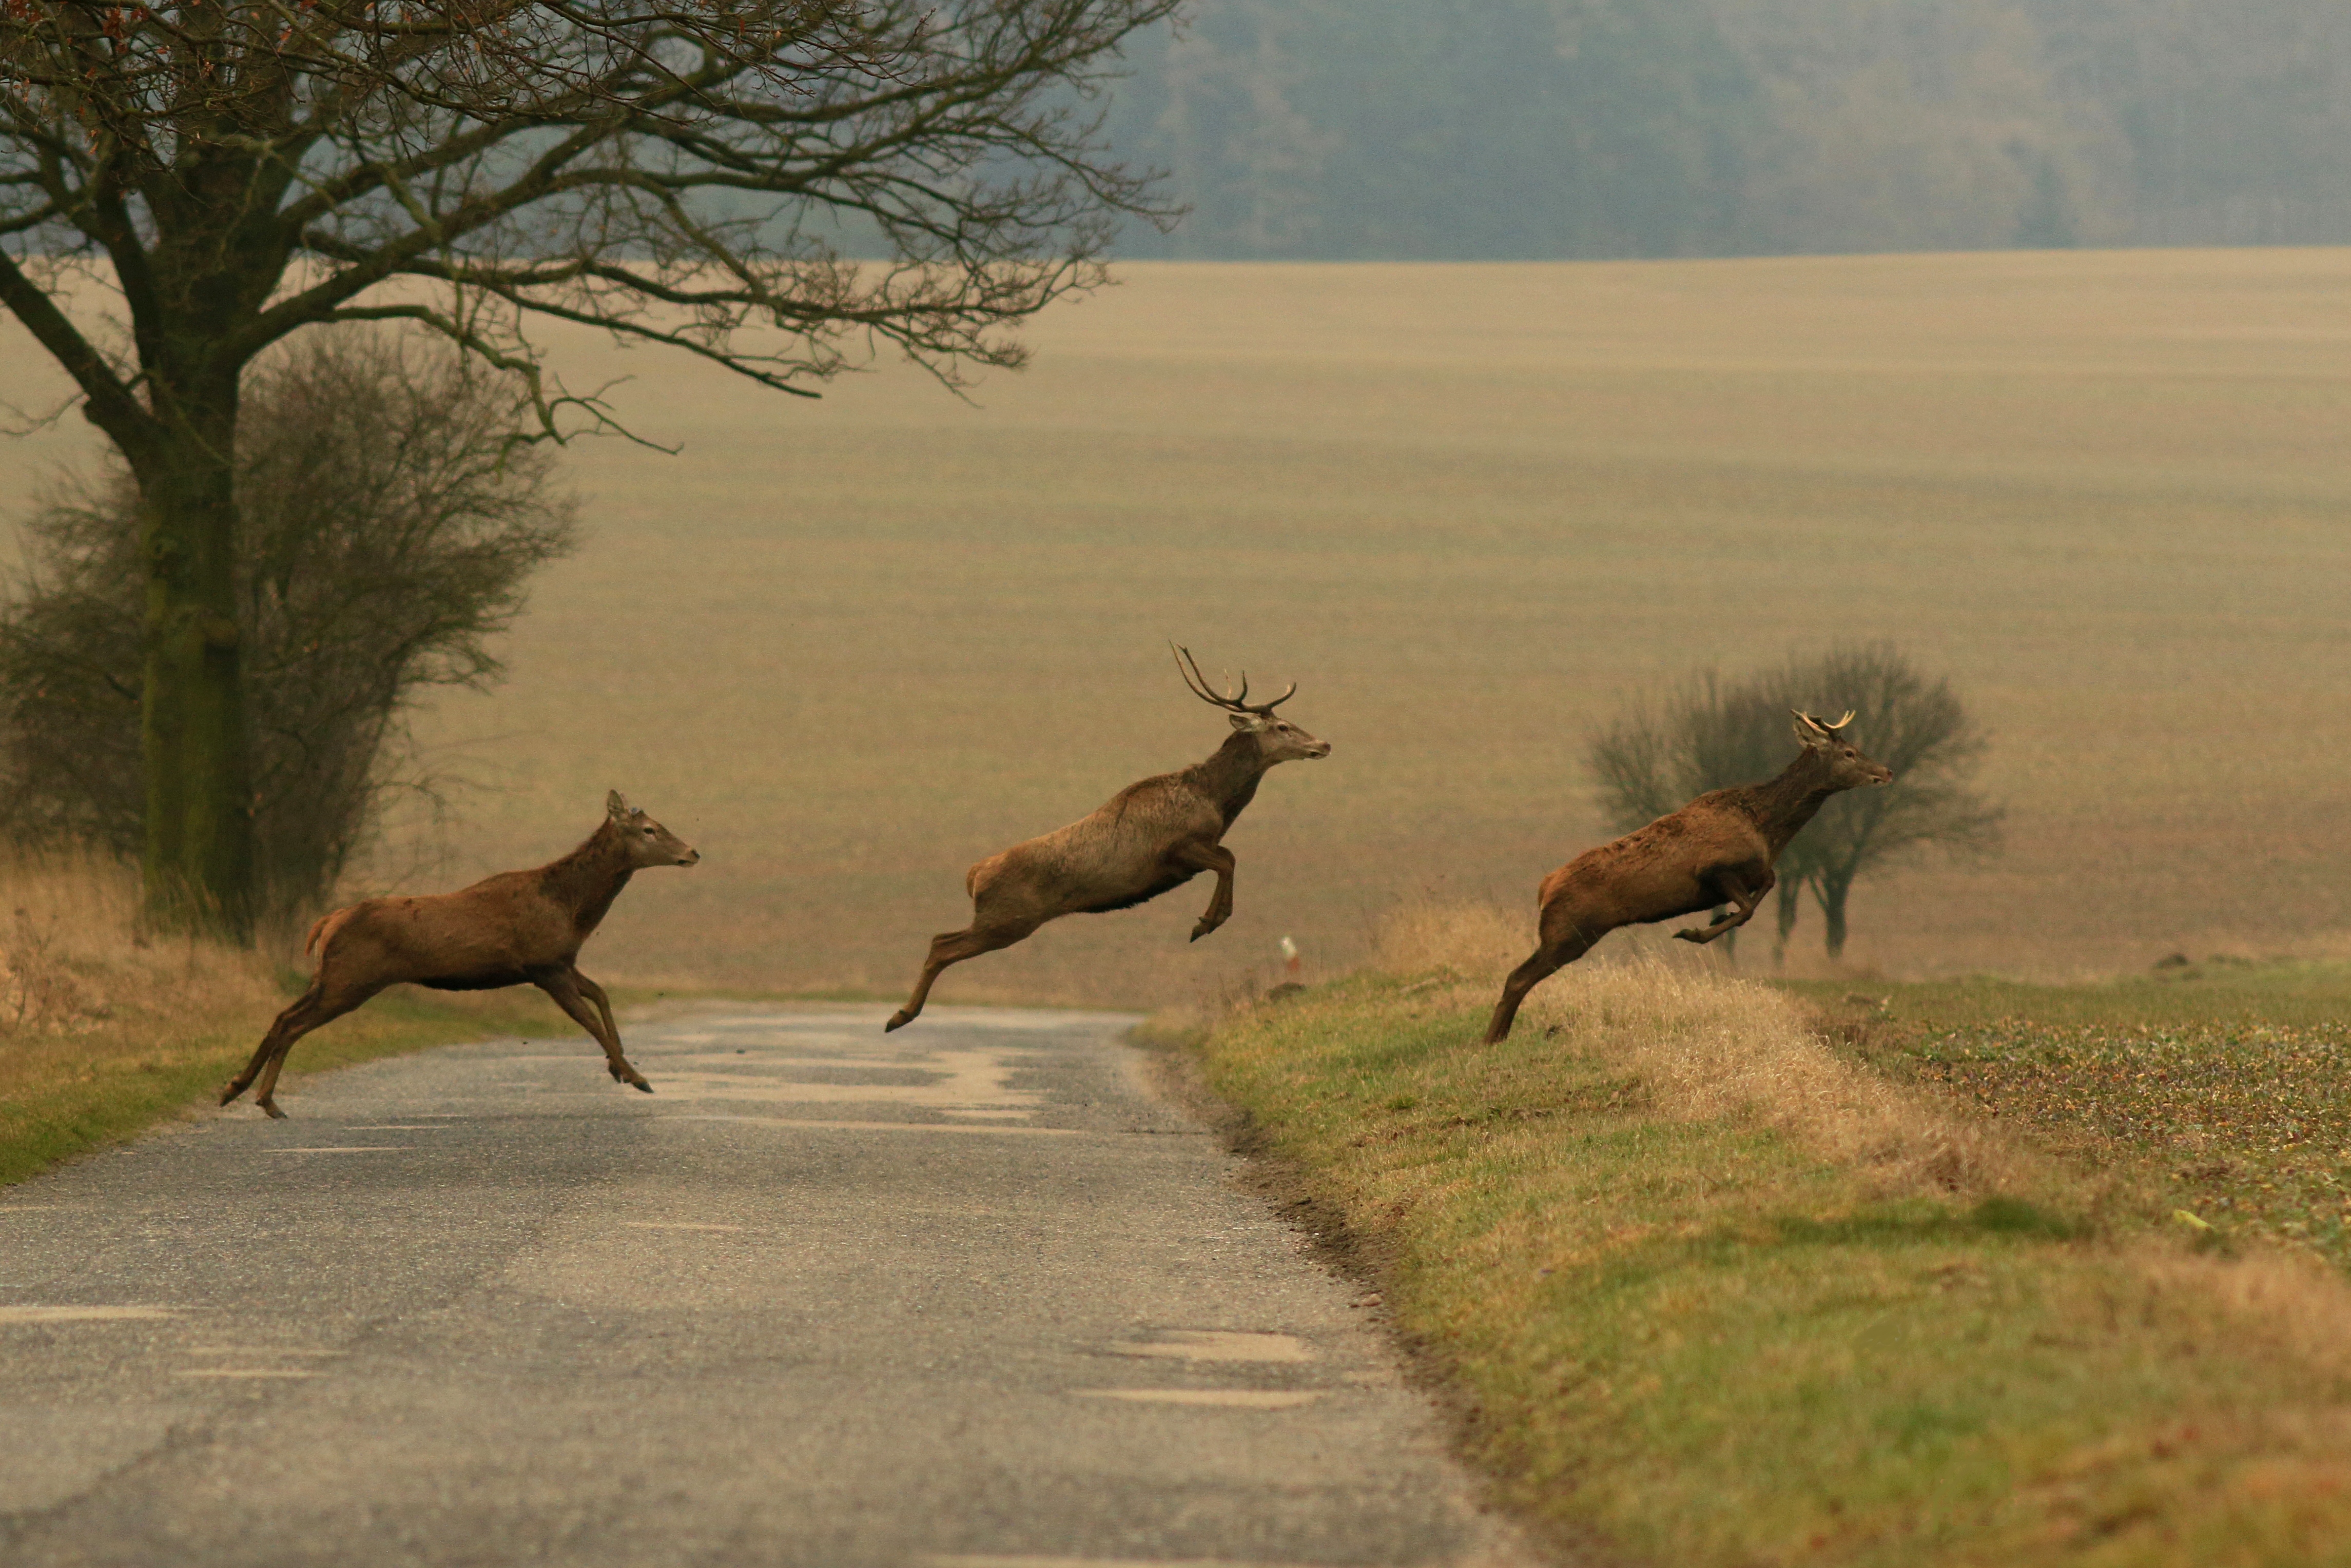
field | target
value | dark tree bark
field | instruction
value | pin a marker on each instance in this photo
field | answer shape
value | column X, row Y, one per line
column 1831, row 888
column 1787, row 892
column 674, row 173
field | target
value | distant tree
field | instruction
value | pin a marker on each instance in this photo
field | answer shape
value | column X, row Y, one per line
column 1708, row 733
column 688, row 174
column 391, row 522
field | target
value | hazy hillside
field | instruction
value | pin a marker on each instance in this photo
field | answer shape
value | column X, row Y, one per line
column 1523, row 129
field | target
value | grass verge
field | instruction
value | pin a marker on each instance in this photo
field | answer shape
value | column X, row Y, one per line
column 127, row 1080
column 1727, row 1296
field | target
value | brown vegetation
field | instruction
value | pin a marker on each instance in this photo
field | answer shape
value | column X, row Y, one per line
column 1717, row 849
column 75, row 969
column 519, row 927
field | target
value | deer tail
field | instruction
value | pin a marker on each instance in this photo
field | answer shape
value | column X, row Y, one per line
column 326, row 927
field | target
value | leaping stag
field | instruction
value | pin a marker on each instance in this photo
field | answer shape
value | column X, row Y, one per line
column 1146, row 840
column 1719, row 849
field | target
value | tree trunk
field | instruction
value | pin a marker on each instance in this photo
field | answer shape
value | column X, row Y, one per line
column 1832, row 890
column 1788, row 890
column 198, row 860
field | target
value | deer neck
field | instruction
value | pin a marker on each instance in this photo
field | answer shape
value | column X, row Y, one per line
column 1230, row 777
column 586, row 881
column 1782, row 805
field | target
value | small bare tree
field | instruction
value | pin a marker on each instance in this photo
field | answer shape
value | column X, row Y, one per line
column 1710, row 732
column 391, row 524
column 1919, row 729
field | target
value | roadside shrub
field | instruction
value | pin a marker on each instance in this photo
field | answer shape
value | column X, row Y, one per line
column 391, row 517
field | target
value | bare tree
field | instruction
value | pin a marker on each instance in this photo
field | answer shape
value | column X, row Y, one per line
column 676, row 173
column 390, row 528
column 1710, row 732
column 1920, row 729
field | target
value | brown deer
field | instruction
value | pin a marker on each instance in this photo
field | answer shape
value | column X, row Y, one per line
column 1719, row 849
column 1147, row 838
column 516, row 929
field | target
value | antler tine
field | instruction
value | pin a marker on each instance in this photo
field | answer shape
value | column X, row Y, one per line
column 1821, row 723
column 1269, row 707
column 1239, row 701
column 1189, row 668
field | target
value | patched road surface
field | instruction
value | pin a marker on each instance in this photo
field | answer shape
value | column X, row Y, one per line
column 966, row 1296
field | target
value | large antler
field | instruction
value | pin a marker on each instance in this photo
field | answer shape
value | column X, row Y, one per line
column 1189, row 668
column 1821, row 723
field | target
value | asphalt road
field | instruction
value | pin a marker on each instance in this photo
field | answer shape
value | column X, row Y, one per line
column 966, row 1295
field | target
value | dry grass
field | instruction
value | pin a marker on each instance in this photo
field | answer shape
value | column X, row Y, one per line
column 78, row 976
column 105, row 1031
column 850, row 647
column 1709, row 1047
column 1431, row 936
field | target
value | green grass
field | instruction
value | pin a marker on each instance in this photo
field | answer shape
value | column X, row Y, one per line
column 128, row 1080
column 2222, row 1092
column 1716, row 1347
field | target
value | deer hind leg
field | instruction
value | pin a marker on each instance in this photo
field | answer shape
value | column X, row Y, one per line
column 313, row 1008
column 1546, row 960
column 1746, row 897
column 950, row 948
column 565, row 987
column 1218, row 859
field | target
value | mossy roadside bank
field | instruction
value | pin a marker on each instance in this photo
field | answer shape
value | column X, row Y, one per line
column 1707, row 1288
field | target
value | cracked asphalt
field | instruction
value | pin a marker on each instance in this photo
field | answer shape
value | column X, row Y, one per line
column 971, row 1295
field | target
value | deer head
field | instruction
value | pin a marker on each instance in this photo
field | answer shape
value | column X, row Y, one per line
column 647, row 841
column 1278, row 739
column 1848, row 769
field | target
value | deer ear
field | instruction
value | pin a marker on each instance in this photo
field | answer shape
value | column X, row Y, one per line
column 1809, row 731
column 1249, row 723
column 614, row 806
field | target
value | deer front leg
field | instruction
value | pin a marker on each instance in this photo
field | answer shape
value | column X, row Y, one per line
column 602, row 1003
column 1218, row 859
column 563, row 987
column 1745, row 900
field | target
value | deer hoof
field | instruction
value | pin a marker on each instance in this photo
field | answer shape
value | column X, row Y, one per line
column 275, row 1113
column 898, row 1020
column 641, row 1086
column 230, row 1091
column 1691, row 934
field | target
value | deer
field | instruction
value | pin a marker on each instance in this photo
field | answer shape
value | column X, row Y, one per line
column 1717, row 849
column 1149, row 838
column 516, row 929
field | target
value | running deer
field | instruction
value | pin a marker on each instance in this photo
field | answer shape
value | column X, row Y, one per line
column 516, row 929
column 1147, row 838
column 1719, row 849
